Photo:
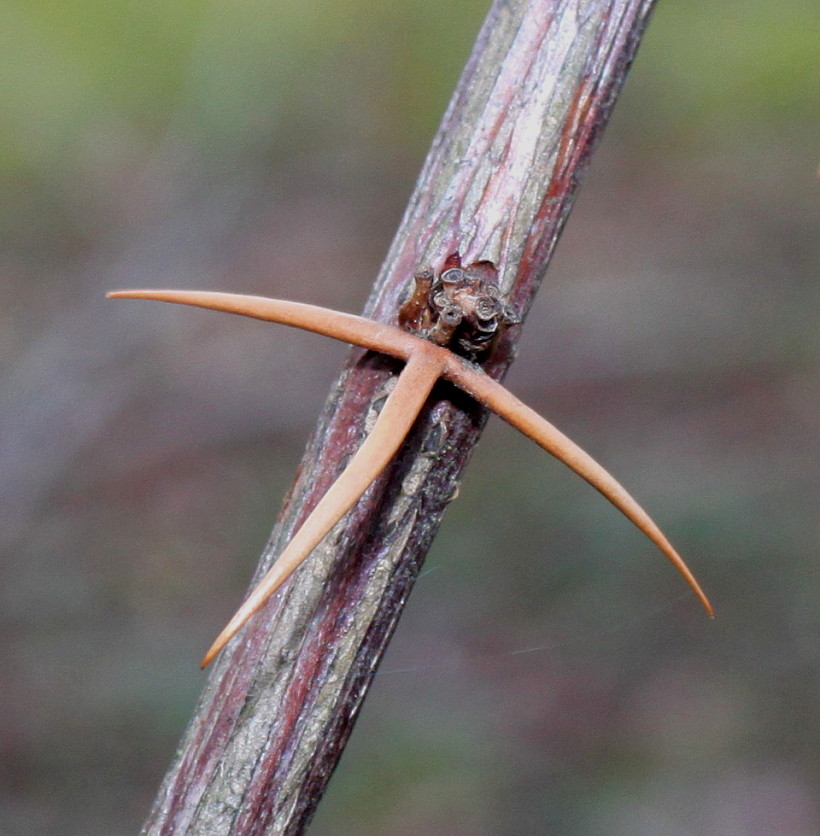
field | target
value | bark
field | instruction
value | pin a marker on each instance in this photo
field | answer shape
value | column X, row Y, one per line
column 498, row 184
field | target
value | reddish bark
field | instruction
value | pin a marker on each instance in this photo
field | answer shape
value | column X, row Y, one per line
column 498, row 185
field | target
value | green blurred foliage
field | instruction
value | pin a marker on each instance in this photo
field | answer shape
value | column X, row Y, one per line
column 721, row 66
column 230, row 73
column 77, row 69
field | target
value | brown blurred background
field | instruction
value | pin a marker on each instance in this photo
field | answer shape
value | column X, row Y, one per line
column 552, row 674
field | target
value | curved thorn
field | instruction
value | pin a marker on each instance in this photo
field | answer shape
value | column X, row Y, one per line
column 494, row 396
column 394, row 422
column 425, row 363
column 377, row 336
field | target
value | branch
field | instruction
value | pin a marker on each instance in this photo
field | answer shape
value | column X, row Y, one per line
column 498, row 184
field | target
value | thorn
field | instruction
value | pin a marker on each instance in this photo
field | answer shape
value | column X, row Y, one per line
column 357, row 330
column 397, row 416
column 425, row 363
column 501, row 401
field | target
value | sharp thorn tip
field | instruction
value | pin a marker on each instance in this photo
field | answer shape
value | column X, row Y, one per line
column 207, row 659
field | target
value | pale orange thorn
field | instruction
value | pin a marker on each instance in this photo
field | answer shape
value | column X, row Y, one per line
column 501, row 401
column 349, row 328
column 397, row 416
column 425, row 364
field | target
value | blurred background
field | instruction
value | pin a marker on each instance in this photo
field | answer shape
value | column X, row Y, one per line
column 551, row 674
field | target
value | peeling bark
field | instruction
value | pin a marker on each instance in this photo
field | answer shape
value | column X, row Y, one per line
column 498, row 185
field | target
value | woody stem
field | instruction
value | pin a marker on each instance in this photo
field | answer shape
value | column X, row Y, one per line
column 498, row 184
